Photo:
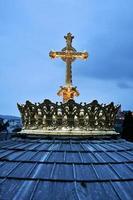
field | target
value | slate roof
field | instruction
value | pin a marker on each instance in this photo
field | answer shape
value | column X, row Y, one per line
column 72, row 169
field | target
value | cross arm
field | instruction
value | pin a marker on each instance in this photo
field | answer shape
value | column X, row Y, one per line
column 68, row 54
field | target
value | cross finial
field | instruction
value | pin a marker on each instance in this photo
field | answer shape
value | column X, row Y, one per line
column 68, row 54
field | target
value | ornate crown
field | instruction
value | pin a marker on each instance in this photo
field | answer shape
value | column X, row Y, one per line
column 68, row 116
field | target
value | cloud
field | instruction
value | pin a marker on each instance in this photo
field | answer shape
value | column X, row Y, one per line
column 124, row 85
column 106, row 61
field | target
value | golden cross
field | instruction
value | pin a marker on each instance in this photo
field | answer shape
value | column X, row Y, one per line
column 68, row 55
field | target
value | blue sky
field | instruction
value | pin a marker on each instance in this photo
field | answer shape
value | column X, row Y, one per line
column 29, row 29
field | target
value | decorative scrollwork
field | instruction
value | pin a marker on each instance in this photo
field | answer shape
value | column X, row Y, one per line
column 68, row 116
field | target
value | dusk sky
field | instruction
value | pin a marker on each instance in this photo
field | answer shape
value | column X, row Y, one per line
column 29, row 29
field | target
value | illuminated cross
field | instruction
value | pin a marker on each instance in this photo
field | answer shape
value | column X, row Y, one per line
column 68, row 55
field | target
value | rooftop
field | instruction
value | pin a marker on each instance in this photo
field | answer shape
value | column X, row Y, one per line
column 60, row 168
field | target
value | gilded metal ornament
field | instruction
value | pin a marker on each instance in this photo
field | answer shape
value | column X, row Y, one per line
column 68, row 54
